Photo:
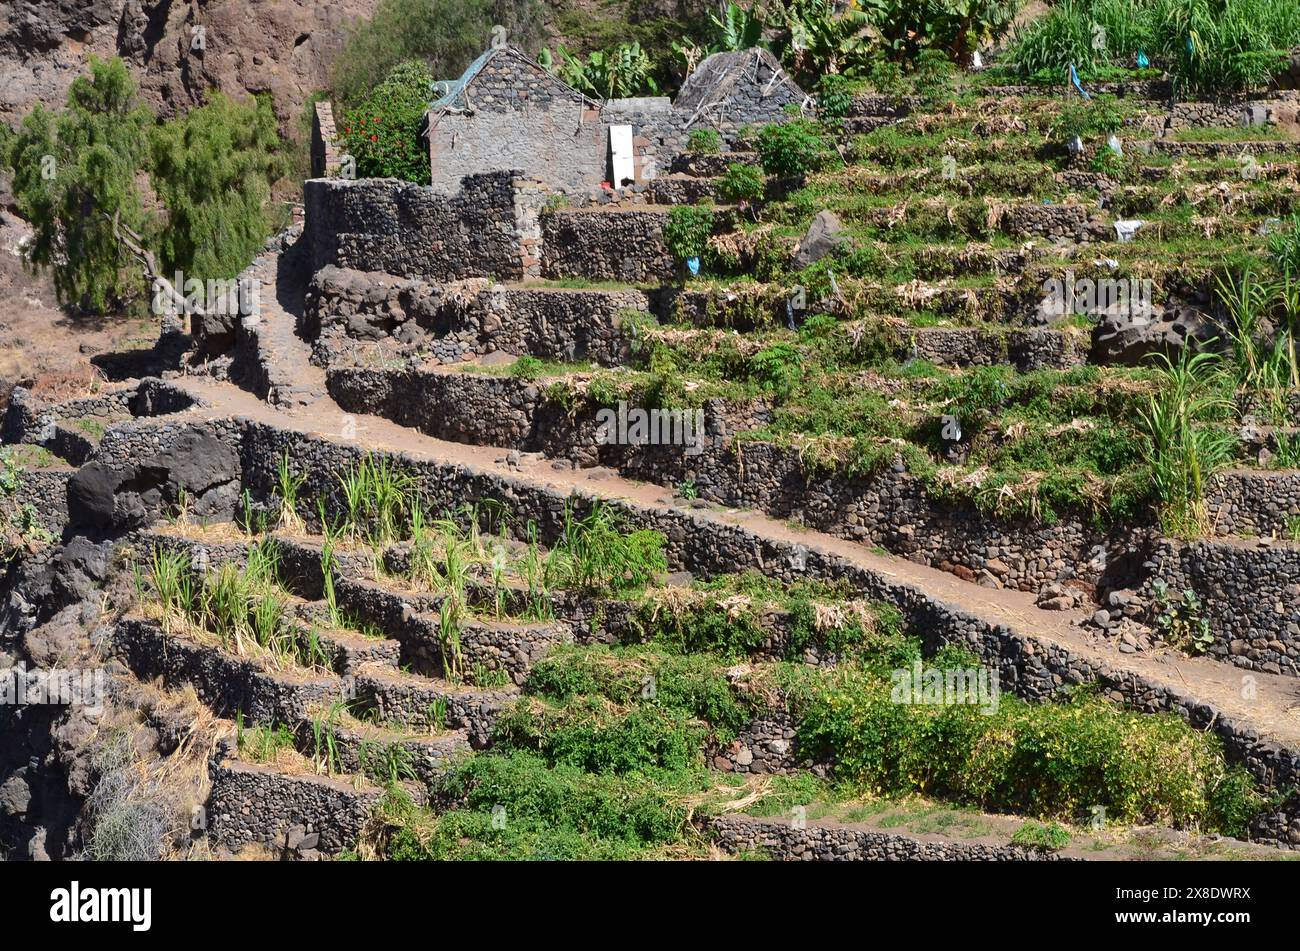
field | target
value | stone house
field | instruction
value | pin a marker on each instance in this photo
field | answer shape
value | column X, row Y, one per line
column 508, row 112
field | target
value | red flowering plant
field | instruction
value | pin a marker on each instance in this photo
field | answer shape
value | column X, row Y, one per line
column 382, row 132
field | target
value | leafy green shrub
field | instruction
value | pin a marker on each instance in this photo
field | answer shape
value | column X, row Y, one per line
column 954, row 28
column 692, row 686
column 796, row 147
column 213, row 169
column 933, row 74
column 528, row 368
column 1051, row 837
column 742, row 183
column 687, row 230
column 834, row 96
column 885, row 76
column 383, row 132
column 777, row 369
column 594, row 736
column 704, row 142
column 1099, row 116
column 1053, row 761
column 548, row 812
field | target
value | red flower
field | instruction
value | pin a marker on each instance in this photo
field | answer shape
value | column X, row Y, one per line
column 374, row 138
column 376, row 118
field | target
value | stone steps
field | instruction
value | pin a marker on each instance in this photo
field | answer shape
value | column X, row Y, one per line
column 303, row 815
column 341, row 744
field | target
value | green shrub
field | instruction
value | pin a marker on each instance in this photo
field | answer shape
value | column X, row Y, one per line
column 73, row 174
column 1051, row 837
column 933, row 74
column 742, row 183
column 834, row 96
column 796, row 147
column 1096, row 117
column 687, row 230
column 1052, row 761
column 704, row 142
column 515, row 806
column 383, row 132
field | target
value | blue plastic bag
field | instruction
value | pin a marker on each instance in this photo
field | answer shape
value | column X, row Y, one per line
column 693, row 265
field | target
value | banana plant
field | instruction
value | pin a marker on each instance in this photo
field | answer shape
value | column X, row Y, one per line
column 616, row 73
column 737, row 28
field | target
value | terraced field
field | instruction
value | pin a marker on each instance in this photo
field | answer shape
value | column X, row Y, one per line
column 905, row 566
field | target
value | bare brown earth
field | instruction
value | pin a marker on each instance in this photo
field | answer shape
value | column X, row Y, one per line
column 41, row 346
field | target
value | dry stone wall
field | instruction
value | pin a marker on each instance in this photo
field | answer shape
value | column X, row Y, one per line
column 616, row 246
column 890, row 508
column 785, row 841
column 1248, row 594
column 468, row 318
column 488, row 228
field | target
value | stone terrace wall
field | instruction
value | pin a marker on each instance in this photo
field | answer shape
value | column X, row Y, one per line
column 1250, row 595
column 1254, row 502
column 813, row 843
column 606, row 246
column 250, row 803
column 453, row 321
column 45, row 491
column 487, row 229
column 890, row 508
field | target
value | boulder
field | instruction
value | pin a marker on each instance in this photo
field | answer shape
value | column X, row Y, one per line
column 196, row 466
column 825, row 235
column 1126, row 339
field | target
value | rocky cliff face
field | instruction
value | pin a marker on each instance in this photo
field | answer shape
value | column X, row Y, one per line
column 177, row 50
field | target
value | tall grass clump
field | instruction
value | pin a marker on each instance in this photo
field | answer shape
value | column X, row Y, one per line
column 1210, row 46
column 244, row 608
column 595, row 553
column 1186, row 442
